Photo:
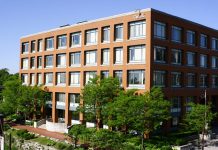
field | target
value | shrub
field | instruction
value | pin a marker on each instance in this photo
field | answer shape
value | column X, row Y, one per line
column 24, row 134
column 6, row 127
column 61, row 146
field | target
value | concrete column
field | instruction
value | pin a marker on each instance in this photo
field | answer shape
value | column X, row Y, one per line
column 67, row 104
column 54, row 111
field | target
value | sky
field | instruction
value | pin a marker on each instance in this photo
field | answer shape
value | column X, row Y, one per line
column 23, row 17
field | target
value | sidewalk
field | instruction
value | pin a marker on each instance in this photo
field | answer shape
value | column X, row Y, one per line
column 55, row 135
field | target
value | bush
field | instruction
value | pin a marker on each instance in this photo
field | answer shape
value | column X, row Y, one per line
column 6, row 127
column 61, row 146
column 24, row 134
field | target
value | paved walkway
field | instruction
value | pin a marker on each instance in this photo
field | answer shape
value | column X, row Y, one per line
column 56, row 135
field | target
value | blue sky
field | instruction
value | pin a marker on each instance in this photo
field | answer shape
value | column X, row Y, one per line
column 22, row 17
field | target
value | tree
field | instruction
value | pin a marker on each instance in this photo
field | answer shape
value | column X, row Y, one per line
column 96, row 94
column 76, row 131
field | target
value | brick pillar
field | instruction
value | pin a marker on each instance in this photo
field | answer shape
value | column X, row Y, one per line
column 67, row 104
column 54, row 111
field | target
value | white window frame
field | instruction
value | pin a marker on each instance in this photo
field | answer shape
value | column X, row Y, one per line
column 61, row 78
column 93, row 35
column 119, row 74
column 214, row 43
column 49, row 77
column 178, row 108
column 25, row 48
column 40, row 42
column 89, row 61
column 192, row 37
column 159, row 75
column 137, row 29
column 24, row 79
column 72, row 59
column 141, row 57
column 214, row 79
column 39, row 79
column 33, row 48
column 163, row 51
column 89, row 75
column 49, row 66
column 203, row 38
column 39, row 62
column 75, row 79
column 73, row 37
column 62, row 41
column 178, row 56
column 61, row 60
column 193, row 57
column 178, row 79
column 178, row 32
column 204, row 80
column 104, row 74
column 203, row 61
column 48, row 40
column 118, row 27
column 106, row 56
column 25, row 63
column 137, row 86
column 32, row 79
column 159, row 30
column 191, row 74
column 118, row 51
column 106, row 34
column 32, row 60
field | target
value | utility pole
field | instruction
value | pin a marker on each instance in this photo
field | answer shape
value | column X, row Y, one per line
column 205, row 118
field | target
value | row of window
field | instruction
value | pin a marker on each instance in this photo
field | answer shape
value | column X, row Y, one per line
column 136, row 78
column 177, row 34
column 136, row 30
column 160, row 78
column 160, row 56
column 136, row 54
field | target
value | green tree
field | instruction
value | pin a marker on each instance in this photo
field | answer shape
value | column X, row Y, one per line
column 76, row 131
column 96, row 94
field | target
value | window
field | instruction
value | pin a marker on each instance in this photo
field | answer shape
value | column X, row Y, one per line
column 49, row 43
column 61, row 60
column 214, row 81
column 25, row 63
column 203, row 41
column 176, row 79
column 118, row 32
column 62, row 41
column 75, row 59
column 136, row 78
column 159, row 54
column 176, row 57
column 159, row 78
column 118, row 55
column 25, row 48
column 119, row 74
column 104, row 74
column 190, row 58
column 76, row 39
column 48, row 79
column 203, row 60
column 32, row 79
column 190, row 37
column 49, row 61
column 74, row 98
column 32, row 62
column 203, row 80
column 39, row 45
column 137, row 54
column 191, row 80
column 106, row 34
column 189, row 100
column 91, row 58
column 176, row 104
column 39, row 79
column 214, row 43
column 137, row 29
column 33, row 46
column 159, row 30
column 214, row 63
column 39, row 61
column 89, row 75
column 60, row 97
column 175, row 121
column 75, row 79
column 92, row 36
column 61, row 78
column 24, row 78
column 176, row 34
column 105, row 57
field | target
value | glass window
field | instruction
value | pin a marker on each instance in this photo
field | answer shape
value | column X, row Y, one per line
column 190, row 58
column 175, row 121
column 62, row 41
column 33, row 46
column 118, row 32
column 203, row 41
column 74, row 98
column 75, row 59
column 176, row 79
column 61, row 60
column 104, row 74
column 76, row 39
column 137, row 54
column 32, row 79
column 89, row 75
column 176, row 104
column 214, row 43
column 75, row 79
column 48, row 79
column 176, row 57
column 39, row 61
column 190, row 37
column 176, row 34
column 105, row 57
column 214, row 81
column 24, row 78
column 203, row 80
column 159, row 54
column 118, row 55
column 191, row 80
column 136, row 78
column 49, row 43
column 49, row 61
column 92, row 36
column 39, row 79
column 137, row 29
column 40, row 45
column 106, row 34
column 189, row 100
column 214, row 63
column 203, row 60
column 119, row 74
column 60, row 97
column 25, row 63
column 159, row 78
column 61, row 78
column 159, row 30
column 32, row 62
column 25, row 48
column 91, row 57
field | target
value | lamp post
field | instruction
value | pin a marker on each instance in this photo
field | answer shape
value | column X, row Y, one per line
column 205, row 118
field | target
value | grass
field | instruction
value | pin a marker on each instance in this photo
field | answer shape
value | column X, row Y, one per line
column 44, row 141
